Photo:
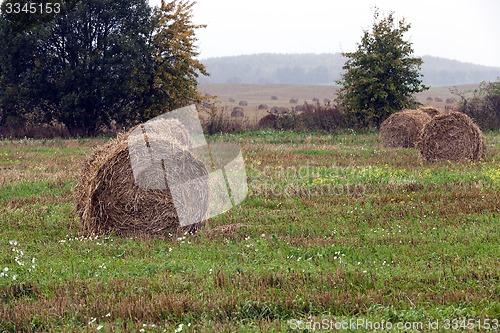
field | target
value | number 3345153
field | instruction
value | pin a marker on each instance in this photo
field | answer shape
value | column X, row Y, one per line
column 32, row 8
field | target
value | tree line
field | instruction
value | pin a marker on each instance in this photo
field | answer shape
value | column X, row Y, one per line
column 97, row 63
column 327, row 68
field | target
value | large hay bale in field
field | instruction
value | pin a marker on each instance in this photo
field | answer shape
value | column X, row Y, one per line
column 431, row 110
column 110, row 200
column 452, row 136
column 402, row 129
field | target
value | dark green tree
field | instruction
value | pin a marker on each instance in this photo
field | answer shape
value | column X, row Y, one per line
column 16, row 48
column 380, row 77
column 98, row 62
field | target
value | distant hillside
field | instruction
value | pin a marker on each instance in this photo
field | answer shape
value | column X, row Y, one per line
column 269, row 68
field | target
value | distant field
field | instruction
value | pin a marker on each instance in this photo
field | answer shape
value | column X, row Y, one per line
column 256, row 94
column 335, row 229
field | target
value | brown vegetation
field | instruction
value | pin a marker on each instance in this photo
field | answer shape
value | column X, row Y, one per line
column 268, row 121
column 237, row 112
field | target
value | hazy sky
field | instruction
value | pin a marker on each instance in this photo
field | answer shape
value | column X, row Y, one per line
column 463, row 30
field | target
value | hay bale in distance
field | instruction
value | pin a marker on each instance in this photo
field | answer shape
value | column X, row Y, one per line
column 299, row 108
column 108, row 199
column 452, row 136
column 431, row 110
column 237, row 112
column 402, row 129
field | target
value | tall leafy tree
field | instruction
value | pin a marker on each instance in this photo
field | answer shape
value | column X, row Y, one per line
column 16, row 48
column 99, row 61
column 172, row 69
column 380, row 77
column 88, row 59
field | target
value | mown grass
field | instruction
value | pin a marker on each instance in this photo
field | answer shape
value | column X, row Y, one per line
column 335, row 227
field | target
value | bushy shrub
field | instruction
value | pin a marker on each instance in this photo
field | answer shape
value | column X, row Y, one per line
column 314, row 117
column 327, row 118
column 483, row 106
column 268, row 121
column 216, row 119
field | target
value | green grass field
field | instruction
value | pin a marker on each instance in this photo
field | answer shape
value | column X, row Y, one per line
column 335, row 230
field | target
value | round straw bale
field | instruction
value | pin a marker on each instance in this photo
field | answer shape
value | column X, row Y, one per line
column 168, row 128
column 109, row 199
column 431, row 110
column 402, row 129
column 452, row 136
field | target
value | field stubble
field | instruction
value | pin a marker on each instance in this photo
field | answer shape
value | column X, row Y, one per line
column 334, row 227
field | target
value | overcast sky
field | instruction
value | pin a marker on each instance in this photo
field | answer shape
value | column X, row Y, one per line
column 468, row 31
